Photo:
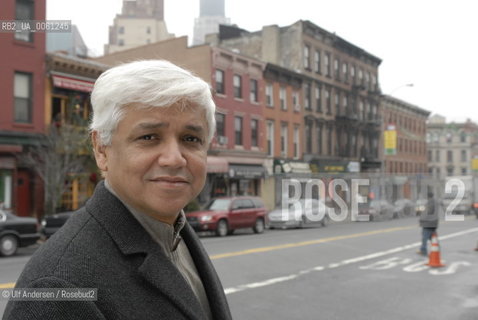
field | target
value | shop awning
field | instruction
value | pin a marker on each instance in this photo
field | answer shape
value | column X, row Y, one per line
column 217, row 165
column 72, row 83
column 246, row 171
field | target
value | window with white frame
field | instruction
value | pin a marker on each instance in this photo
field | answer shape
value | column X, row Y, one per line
column 254, row 90
column 269, row 95
column 306, row 57
column 283, row 98
column 24, row 10
column 270, row 137
column 283, row 139
column 307, row 102
column 254, row 133
column 220, row 87
column 22, row 92
column 238, row 130
column 296, row 101
column 296, row 142
column 318, row 98
column 317, row 61
column 237, row 82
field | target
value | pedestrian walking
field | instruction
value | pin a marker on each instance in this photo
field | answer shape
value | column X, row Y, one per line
column 428, row 222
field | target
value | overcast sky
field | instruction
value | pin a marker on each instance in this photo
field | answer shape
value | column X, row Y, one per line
column 430, row 43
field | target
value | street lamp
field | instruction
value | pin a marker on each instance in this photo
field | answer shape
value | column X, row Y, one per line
column 402, row 86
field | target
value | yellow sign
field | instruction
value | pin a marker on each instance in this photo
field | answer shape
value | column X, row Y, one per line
column 390, row 140
column 474, row 164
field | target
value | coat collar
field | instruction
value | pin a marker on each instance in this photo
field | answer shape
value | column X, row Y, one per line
column 131, row 238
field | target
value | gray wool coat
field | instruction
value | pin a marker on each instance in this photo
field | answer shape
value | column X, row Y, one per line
column 103, row 246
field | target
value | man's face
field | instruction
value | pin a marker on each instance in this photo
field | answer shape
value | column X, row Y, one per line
column 156, row 162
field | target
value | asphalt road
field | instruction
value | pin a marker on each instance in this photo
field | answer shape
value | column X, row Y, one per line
column 357, row 270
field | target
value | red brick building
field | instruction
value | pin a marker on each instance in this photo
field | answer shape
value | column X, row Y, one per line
column 22, row 100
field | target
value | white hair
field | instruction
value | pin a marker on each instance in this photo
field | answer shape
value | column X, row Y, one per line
column 148, row 83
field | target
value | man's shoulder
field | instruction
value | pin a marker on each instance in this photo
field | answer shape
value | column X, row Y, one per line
column 70, row 251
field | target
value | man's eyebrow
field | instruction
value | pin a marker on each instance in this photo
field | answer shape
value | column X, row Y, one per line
column 195, row 128
column 151, row 125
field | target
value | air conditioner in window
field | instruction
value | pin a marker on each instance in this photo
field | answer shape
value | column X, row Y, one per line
column 222, row 140
column 297, row 107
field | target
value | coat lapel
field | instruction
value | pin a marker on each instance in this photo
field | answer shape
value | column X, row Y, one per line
column 131, row 238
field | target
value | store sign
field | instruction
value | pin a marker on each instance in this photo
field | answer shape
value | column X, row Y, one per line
column 474, row 164
column 72, row 84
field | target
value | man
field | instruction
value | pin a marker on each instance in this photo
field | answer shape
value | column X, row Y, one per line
column 151, row 127
column 429, row 223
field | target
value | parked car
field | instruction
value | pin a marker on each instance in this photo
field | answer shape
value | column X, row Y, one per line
column 309, row 212
column 403, row 208
column 52, row 223
column 376, row 209
column 224, row 215
column 16, row 232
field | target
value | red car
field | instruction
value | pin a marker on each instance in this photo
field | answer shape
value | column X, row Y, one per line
column 224, row 215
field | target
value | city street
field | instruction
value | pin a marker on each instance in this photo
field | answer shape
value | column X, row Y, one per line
column 361, row 270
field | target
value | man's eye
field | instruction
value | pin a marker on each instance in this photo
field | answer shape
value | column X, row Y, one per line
column 146, row 137
column 193, row 139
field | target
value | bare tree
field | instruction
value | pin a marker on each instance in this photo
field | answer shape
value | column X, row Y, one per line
column 62, row 153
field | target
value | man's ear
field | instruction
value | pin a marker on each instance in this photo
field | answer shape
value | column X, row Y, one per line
column 99, row 151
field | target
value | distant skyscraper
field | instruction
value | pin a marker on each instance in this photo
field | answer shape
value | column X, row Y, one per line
column 140, row 22
column 211, row 15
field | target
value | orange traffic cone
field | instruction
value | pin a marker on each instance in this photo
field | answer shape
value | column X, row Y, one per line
column 434, row 256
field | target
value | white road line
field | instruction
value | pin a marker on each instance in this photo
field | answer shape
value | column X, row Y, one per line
column 336, row 265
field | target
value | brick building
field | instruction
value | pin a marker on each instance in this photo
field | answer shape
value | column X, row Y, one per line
column 22, row 101
column 342, row 123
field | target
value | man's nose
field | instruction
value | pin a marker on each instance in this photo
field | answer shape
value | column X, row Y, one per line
column 171, row 154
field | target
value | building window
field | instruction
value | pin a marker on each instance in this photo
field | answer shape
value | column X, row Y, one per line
column 319, row 138
column 283, row 139
column 360, row 76
column 329, row 141
column 307, row 104
column 22, row 92
column 296, row 142
column 120, row 42
column 220, row 87
column 269, row 95
column 430, row 157
column 437, row 155
column 295, row 101
column 237, row 81
column 328, row 102
column 327, row 64
column 24, row 10
column 148, row 30
column 463, row 156
column 463, row 171
column 337, row 69
column 307, row 57
column 352, row 73
column 449, row 171
column 463, row 136
column 337, row 103
column 308, row 136
column 345, row 71
column 449, row 156
column 449, row 137
column 270, row 138
column 120, row 30
column 254, row 94
column 283, row 98
column 254, row 133
column 220, row 124
column 318, row 99
column 238, row 130
column 317, row 61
